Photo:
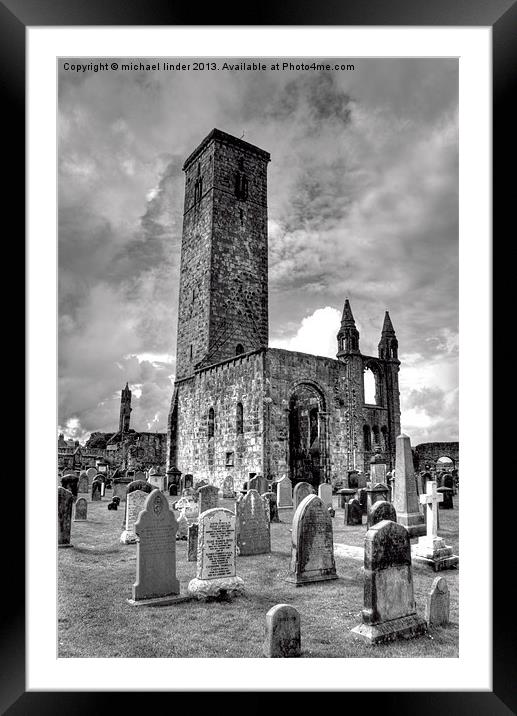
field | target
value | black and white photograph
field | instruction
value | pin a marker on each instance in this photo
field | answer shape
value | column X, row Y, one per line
column 258, row 357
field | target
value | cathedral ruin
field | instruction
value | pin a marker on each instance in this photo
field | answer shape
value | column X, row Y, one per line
column 239, row 406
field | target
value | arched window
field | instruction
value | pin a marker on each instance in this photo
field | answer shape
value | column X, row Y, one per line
column 239, row 424
column 241, row 186
column 394, row 347
column 375, row 431
column 369, row 387
column 384, row 434
column 367, row 438
column 239, row 349
column 211, row 423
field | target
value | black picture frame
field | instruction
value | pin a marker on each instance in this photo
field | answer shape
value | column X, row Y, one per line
column 501, row 15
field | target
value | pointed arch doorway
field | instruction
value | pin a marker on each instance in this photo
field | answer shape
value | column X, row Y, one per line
column 308, row 449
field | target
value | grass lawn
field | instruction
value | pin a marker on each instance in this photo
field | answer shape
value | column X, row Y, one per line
column 95, row 579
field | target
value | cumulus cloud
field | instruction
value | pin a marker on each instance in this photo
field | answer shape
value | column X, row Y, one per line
column 362, row 202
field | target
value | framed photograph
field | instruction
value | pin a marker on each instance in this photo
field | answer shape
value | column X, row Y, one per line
column 258, row 255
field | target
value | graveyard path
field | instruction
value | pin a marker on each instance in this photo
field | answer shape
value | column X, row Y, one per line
column 95, row 579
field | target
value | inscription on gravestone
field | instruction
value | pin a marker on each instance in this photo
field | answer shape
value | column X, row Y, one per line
column 312, row 549
column 253, row 530
column 284, row 493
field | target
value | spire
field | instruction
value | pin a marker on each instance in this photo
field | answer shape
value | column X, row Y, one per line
column 387, row 326
column 348, row 336
column 388, row 345
column 347, row 319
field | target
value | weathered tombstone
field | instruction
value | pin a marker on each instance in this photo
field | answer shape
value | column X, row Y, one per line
column 405, row 499
column 157, row 480
column 345, row 495
column 253, row 483
column 381, row 510
column 447, row 503
column 140, row 475
column 378, row 469
column 432, row 549
column 352, row 480
column 284, row 493
column 361, row 480
column 156, row 581
column 312, row 548
column 91, row 473
column 216, row 576
column 353, row 512
column 120, row 485
column 270, row 499
column 70, row 482
column 182, row 532
column 188, row 505
column 253, row 531
column 135, row 503
column 187, row 482
column 193, row 531
column 283, row 634
column 325, row 493
column 375, row 494
column 134, row 486
column 389, row 603
column 82, row 485
column 362, row 496
column 301, row 490
column 65, row 501
column 96, row 490
column 438, row 603
column 208, row 498
column 173, row 490
column 81, row 510
column 228, row 488
column 262, row 484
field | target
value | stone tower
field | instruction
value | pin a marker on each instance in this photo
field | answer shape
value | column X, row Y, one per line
column 125, row 410
column 223, row 296
column 388, row 352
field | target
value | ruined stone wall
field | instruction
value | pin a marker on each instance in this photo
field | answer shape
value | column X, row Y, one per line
column 222, row 387
column 430, row 452
column 286, row 370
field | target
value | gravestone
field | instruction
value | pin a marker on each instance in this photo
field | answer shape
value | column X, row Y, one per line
column 216, row 576
column 96, row 490
column 283, row 634
column 362, row 496
column 91, row 473
column 405, row 499
column 228, row 488
column 352, row 480
column 183, row 524
column 157, row 480
column 156, row 527
column 65, row 501
column 432, row 549
column 284, row 493
column 81, row 510
column 345, row 495
column 193, row 531
column 70, row 482
column 353, row 512
column 389, row 603
column 135, row 503
column 312, row 547
column 438, row 603
column 140, row 475
column 325, row 493
column 361, row 480
column 381, row 510
column 270, row 499
column 208, row 498
column 188, row 505
column 187, row 482
column 133, row 486
column 253, row 483
column 374, row 494
column 300, row 492
column 447, row 503
column 378, row 469
column 253, row 531
column 262, row 484
column 120, row 485
column 82, row 485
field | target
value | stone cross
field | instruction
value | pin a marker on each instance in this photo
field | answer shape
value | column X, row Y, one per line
column 431, row 499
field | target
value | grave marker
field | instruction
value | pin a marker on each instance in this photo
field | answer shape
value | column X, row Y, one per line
column 135, row 503
column 253, row 531
column 284, row 493
column 438, row 603
column 272, row 508
column 381, row 510
column 325, row 493
column 82, row 485
column 389, row 603
column 65, row 501
column 216, row 576
column 96, row 490
column 432, row 549
column 405, row 499
column 208, row 498
column 228, row 488
column 312, row 548
column 81, row 510
column 283, row 634
column 301, row 491
column 193, row 531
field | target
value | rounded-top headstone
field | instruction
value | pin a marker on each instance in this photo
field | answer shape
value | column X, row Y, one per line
column 312, row 548
column 438, row 603
column 283, row 634
column 382, row 510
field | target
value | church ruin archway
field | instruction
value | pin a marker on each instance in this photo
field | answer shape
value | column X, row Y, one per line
column 308, row 435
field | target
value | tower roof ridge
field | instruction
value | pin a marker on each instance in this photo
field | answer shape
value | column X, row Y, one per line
column 221, row 136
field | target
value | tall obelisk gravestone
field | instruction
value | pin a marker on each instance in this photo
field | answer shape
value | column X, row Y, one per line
column 405, row 499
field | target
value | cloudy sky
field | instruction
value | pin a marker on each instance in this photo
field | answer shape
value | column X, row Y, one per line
column 362, row 192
